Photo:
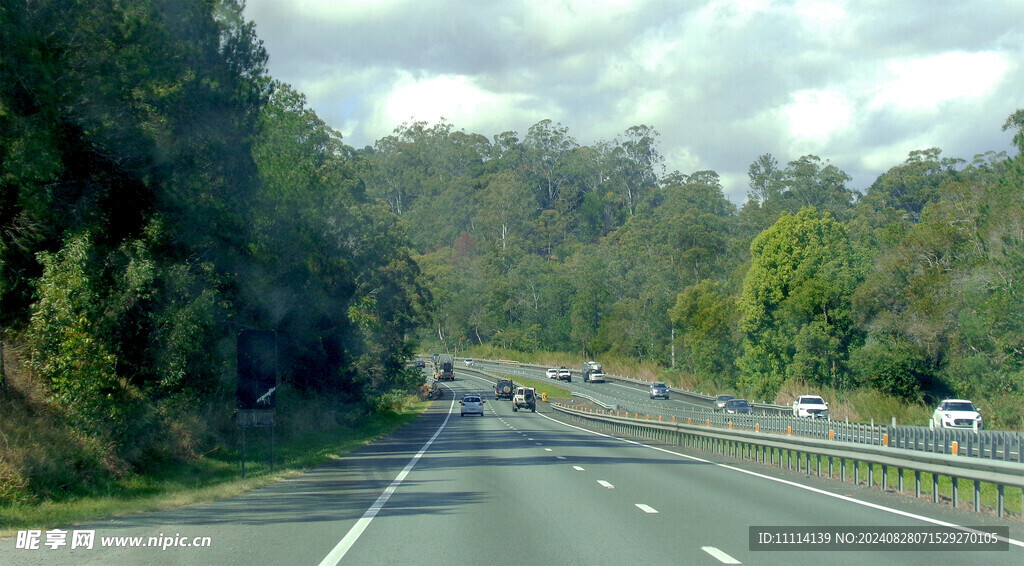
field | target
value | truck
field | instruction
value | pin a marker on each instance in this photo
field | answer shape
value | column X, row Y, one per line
column 444, row 368
column 592, row 372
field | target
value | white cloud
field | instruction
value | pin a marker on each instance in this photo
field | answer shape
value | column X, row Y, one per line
column 456, row 98
column 924, row 83
column 817, row 115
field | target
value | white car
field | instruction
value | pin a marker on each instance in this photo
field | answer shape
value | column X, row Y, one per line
column 472, row 405
column 469, row 361
column 596, row 378
column 564, row 375
column 956, row 413
column 810, row 406
column 552, row 373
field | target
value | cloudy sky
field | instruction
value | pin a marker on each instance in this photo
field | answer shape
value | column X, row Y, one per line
column 860, row 83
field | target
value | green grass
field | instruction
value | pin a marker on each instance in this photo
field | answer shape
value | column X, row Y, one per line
column 215, row 476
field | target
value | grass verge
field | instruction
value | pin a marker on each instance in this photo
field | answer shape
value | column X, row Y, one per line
column 214, row 476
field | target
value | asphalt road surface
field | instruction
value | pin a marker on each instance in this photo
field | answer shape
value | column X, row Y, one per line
column 519, row 488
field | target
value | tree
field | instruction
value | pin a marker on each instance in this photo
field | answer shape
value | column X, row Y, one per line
column 704, row 317
column 795, row 307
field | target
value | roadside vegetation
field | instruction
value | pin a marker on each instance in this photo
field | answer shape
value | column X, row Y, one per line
column 310, row 432
column 160, row 193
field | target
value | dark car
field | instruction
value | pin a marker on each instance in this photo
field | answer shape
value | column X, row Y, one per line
column 721, row 400
column 659, row 389
column 737, row 407
column 504, row 389
column 421, row 364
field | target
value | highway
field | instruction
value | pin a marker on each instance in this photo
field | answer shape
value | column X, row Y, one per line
column 522, row 488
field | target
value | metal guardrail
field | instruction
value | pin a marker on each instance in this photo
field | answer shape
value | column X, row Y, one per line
column 770, row 449
column 990, row 444
column 601, row 404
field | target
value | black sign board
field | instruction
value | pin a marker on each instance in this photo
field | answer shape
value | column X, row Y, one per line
column 257, row 369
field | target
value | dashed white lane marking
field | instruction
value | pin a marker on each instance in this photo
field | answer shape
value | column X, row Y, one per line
column 547, row 450
column 605, row 484
column 529, row 439
column 647, row 509
column 822, row 492
column 538, row 444
column 560, row 457
column 577, row 468
column 719, row 555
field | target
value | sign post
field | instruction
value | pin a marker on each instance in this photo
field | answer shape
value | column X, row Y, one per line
column 257, row 384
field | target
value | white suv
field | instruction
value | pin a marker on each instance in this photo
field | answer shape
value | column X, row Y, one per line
column 956, row 413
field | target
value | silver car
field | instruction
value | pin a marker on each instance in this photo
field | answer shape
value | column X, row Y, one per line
column 472, row 405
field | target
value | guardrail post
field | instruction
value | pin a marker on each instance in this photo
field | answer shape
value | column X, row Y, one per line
column 899, row 482
column 871, row 474
column 830, row 467
column 842, row 469
column 1000, row 489
column 789, row 459
column 977, row 496
column 917, row 484
column 956, row 491
column 819, row 464
column 885, row 476
column 935, row 488
column 856, row 472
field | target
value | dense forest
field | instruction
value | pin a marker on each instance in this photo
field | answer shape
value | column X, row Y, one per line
column 160, row 192
column 908, row 287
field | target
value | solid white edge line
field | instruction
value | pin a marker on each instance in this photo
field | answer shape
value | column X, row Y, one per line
column 719, row 555
column 787, row 482
column 345, row 544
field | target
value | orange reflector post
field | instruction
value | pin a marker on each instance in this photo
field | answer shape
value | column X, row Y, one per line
column 789, row 430
column 757, row 427
column 831, row 435
column 955, row 448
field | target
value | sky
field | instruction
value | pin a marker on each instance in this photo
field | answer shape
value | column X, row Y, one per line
column 859, row 83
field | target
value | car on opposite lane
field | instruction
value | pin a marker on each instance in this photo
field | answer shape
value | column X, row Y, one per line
column 469, row 361
column 472, row 405
column 737, row 407
column 956, row 413
column 552, row 373
column 564, row 375
column 720, row 401
column 659, row 389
